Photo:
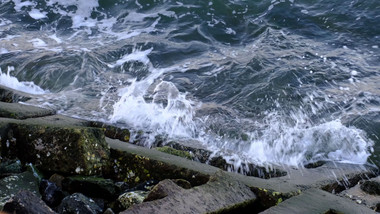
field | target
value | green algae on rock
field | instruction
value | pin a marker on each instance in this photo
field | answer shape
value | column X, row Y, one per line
column 66, row 150
column 172, row 151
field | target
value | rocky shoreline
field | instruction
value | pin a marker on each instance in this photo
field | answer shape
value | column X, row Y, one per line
column 52, row 163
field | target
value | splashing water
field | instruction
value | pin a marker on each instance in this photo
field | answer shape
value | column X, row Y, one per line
column 12, row 82
column 270, row 82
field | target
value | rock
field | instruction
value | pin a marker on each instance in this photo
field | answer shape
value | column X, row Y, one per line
column 145, row 186
column 162, row 189
column 20, row 111
column 78, row 203
column 10, row 185
column 134, row 168
column 57, row 179
column 65, row 150
column 9, row 95
column 112, row 131
column 172, row 151
column 26, row 202
column 122, row 186
column 109, row 211
column 219, row 162
column 37, row 174
column 91, row 186
column 317, row 201
column 377, row 207
column 371, row 187
column 10, row 167
column 219, row 195
column 131, row 198
column 51, row 193
column 182, row 183
column 196, row 148
column 358, row 195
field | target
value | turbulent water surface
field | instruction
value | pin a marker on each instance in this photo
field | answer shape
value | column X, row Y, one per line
column 270, row 82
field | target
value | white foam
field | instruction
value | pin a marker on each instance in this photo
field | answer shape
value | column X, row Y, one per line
column 36, row 14
column 55, row 38
column 282, row 143
column 19, row 4
column 175, row 118
column 3, row 51
column 12, row 82
column 37, row 43
column 141, row 56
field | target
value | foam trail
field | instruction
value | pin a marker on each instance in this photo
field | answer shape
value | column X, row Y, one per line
column 12, row 82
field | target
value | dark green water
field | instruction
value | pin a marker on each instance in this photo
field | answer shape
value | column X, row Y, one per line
column 279, row 82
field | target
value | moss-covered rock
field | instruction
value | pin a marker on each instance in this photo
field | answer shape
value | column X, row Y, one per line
column 134, row 169
column 65, row 150
column 172, row 151
column 128, row 199
column 112, row 131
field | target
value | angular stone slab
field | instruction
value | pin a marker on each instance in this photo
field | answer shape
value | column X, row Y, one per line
column 66, row 150
column 218, row 195
column 315, row 201
column 27, row 202
column 20, row 111
column 135, row 164
column 57, row 120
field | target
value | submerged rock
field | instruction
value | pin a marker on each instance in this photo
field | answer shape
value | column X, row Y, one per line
column 10, row 185
column 27, row 202
column 66, row 150
column 78, row 203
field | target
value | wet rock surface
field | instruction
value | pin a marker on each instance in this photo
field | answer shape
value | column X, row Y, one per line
column 364, row 193
column 16, row 111
column 67, row 150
